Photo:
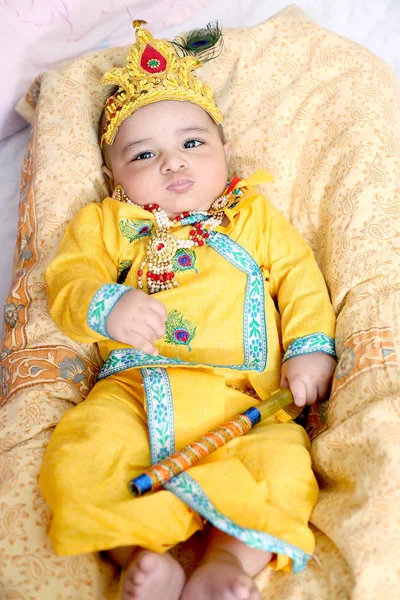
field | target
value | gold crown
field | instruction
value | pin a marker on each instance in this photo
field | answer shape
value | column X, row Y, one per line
column 153, row 72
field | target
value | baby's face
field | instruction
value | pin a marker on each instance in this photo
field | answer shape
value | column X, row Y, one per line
column 169, row 153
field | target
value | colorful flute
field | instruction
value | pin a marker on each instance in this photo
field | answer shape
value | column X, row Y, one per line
column 156, row 475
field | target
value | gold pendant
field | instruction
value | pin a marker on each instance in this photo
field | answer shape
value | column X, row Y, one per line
column 161, row 247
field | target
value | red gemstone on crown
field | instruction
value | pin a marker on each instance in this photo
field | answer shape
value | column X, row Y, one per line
column 160, row 246
column 152, row 61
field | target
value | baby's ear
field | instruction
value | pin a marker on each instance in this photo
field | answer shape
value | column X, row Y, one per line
column 109, row 177
column 227, row 148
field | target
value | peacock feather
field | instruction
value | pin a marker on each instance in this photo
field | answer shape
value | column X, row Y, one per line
column 184, row 260
column 134, row 230
column 205, row 43
column 179, row 331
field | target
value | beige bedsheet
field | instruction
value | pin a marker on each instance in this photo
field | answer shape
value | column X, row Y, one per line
column 322, row 115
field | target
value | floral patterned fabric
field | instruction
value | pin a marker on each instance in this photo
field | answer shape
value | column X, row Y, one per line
column 322, row 115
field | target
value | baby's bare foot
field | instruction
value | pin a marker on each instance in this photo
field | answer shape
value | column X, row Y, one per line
column 220, row 577
column 152, row 576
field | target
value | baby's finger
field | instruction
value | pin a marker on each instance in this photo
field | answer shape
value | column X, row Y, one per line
column 159, row 308
column 139, row 342
column 145, row 329
column 157, row 323
column 312, row 394
column 284, row 382
column 323, row 390
column 299, row 391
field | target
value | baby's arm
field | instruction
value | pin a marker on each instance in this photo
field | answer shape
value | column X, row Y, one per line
column 307, row 317
column 85, row 302
column 80, row 278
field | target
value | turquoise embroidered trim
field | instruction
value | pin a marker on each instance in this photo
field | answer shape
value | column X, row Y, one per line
column 315, row 342
column 190, row 492
column 161, row 429
column 102, row 304
column 128, row 358
column 160, row 413
column 254, row 320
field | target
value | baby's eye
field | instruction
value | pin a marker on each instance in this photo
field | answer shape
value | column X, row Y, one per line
column 192, row 143
column 144, row 156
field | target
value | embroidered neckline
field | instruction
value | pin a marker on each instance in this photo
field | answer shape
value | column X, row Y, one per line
column 162, row 245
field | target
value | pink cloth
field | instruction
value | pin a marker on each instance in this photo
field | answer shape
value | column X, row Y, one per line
column 35, row 35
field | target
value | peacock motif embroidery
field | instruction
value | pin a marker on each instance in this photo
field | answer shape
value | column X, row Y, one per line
column 179, row 331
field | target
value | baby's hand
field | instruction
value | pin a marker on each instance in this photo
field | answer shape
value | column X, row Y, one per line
column 308, row 377
column 137, row 320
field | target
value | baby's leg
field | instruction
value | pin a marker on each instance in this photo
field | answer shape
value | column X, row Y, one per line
column 226, row 571
column 149, row 575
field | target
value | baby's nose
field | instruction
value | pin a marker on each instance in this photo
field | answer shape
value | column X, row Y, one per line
column 174, row 161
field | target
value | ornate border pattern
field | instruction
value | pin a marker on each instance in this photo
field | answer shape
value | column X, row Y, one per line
column 315, row 342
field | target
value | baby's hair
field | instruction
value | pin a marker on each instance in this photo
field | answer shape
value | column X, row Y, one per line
column 220, row 132
column 104, row 148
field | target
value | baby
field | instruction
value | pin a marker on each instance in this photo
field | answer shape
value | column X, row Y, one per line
column 203, row 299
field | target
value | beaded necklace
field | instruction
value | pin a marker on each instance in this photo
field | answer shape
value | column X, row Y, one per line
column 162, row 245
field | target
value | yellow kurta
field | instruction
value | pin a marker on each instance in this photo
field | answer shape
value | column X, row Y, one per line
column 229, row 323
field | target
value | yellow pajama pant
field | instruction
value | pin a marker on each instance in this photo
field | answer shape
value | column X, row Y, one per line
column 261, row 481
